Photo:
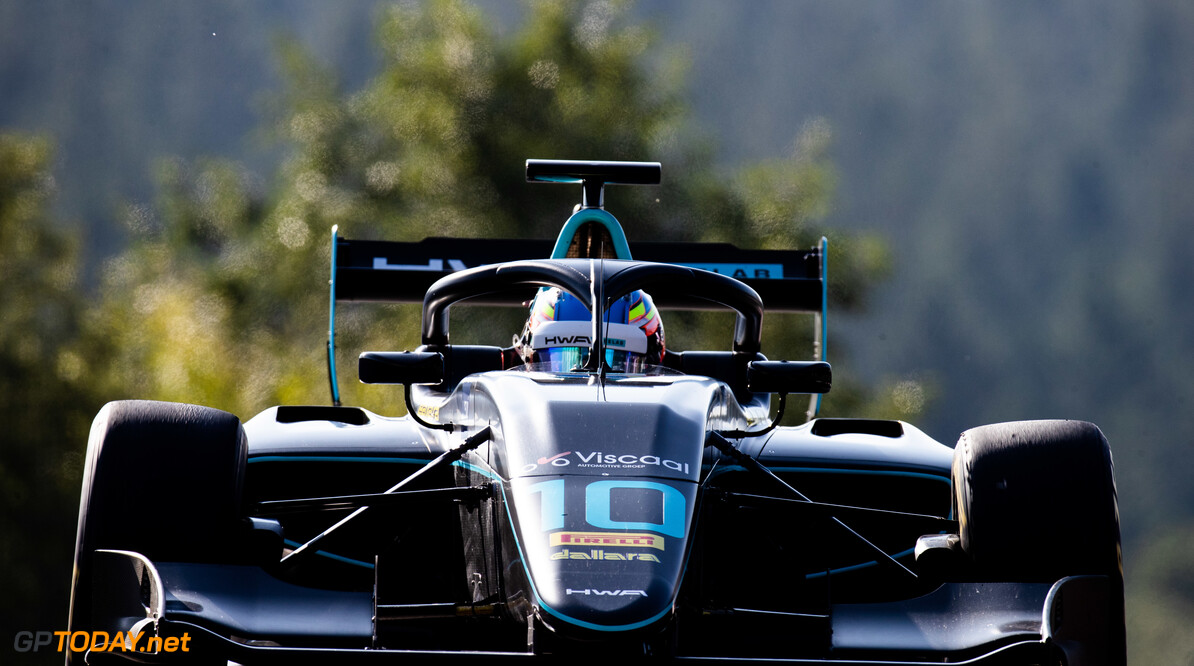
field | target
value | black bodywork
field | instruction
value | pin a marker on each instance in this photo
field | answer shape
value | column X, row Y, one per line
column 524, row 515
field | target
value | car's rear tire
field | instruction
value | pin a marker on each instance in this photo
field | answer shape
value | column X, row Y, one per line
column 1036, row 501
column 161, row 479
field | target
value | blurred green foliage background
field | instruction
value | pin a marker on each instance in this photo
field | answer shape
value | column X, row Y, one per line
column 1005, row 187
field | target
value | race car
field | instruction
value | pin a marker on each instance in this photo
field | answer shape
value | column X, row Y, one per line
column 584, row 494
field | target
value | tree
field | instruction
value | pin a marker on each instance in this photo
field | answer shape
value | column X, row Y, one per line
column 43, row 378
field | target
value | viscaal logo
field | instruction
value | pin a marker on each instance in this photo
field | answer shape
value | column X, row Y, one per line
column 600, row 459
column 558, row 460
column 607, row 539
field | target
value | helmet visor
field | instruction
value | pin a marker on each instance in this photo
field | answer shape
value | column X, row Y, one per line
column 564, row 345
column 571, row 359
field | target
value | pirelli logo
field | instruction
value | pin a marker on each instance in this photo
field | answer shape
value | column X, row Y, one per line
column 607, row 539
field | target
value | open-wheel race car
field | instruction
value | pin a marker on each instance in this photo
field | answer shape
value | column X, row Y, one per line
column 588, row 493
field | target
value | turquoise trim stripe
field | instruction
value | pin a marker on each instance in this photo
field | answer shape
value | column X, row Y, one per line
column 856, row 567
column 522, row 554
column 839, row 470
column 332, row 324
column 719, row 470
column 868, row 472
column 478, row 469
column 376, row 459
column 331, row 556
column 621, row 247
column 603, row 627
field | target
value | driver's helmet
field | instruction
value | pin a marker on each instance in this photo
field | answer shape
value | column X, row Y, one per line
column 559, row 329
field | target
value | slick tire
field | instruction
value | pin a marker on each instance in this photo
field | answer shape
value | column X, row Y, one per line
column 1036, row 502
column 160, row 479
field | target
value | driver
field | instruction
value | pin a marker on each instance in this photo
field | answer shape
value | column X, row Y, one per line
column 559, row 330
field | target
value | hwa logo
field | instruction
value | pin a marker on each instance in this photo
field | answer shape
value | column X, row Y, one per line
column 579, row 341
column 566, row 340
column 588, row 591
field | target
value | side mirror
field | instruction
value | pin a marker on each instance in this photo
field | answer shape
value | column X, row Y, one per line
column 401, row 368
column 789, row 377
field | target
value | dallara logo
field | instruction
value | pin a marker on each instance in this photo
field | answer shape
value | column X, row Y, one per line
column 600, row 554
column 608, row 593
column 607, row 539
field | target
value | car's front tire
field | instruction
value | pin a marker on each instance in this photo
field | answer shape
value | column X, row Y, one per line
column 1036, row 501
column 163, row 480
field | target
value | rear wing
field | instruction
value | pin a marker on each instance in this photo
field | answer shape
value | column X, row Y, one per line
column 401, row 272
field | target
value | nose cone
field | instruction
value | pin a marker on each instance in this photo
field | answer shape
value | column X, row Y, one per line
column 603, row 554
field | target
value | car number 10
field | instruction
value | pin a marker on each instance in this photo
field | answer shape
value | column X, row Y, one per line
column 597, row 506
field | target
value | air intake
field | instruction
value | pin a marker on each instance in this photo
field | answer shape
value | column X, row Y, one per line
column 831, row 427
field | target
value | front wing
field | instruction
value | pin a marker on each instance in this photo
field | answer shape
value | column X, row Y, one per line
column 242, row 614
